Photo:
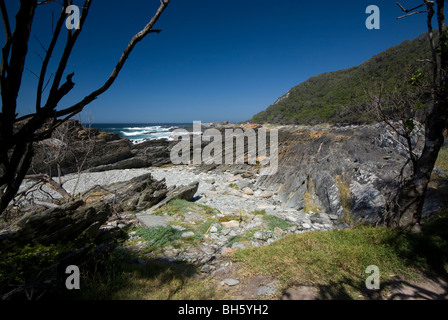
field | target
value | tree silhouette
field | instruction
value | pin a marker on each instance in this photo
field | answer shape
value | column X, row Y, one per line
column 17, row 135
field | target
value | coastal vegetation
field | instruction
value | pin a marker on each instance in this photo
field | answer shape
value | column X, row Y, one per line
column 338, row 97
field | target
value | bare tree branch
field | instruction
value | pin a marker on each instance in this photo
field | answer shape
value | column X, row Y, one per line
column 52, row 184
column 45, row 2
column 409, row 10
column 8, row 36
column 53, row 100
column 411, row 14
column 48, row 55
column 78, row 107
column 5, row 18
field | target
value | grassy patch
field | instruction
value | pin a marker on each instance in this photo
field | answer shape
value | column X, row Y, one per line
column 339, row 258
column 180, row 207
column 158, row 237
column 235, row 239
column 346, row 200
column 258, row 213
column 310, row 198
column 121, row 278
column 442, row 160
column 205, row 226
column 234, row 186
column 276, row 222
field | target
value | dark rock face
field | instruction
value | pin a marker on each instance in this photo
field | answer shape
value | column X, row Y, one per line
column 338, row 170
column 62, row 224
column 182, row 192
column 74, row 148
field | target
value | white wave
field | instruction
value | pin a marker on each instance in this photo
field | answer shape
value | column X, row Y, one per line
column 135, row 133
column 143, row 128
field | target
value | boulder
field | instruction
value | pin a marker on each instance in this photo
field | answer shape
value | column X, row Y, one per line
column 182, row 192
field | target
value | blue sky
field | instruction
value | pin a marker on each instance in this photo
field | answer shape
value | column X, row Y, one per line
column 220, row 60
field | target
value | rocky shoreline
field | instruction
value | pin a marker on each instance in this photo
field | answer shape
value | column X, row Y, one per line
column 327, row 178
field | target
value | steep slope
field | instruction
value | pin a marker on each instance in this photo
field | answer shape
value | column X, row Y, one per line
column 335, row 97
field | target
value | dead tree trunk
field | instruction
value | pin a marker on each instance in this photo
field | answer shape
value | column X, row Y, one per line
column 408, row 206
column 18, row 134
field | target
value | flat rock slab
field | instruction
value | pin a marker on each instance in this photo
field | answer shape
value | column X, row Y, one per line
column 230, row 282
column 151, row 221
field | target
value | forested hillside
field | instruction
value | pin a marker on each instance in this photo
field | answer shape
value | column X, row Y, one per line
column 337, row 97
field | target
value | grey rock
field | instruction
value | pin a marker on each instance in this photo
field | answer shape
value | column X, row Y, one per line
column 182, row 192
column 207, row 268
column 230, row 282
column 263, row 235
column 239, row 245
column 244, row 184
column 151, row 221
column 188, row 234
column 268, row 290
column 209, row 180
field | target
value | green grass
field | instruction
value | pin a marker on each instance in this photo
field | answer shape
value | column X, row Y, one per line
column 442, row 160
column 276, row 222
column 346, row 200
column 179, row 206
column 205, row 226
column 158, row 237
column 310, row 204
column 235, row 239
column 259, row 212
column 234, row 186
column 120, row 277
column 339, row 258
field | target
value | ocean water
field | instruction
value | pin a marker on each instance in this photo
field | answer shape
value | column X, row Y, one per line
column 140, row 132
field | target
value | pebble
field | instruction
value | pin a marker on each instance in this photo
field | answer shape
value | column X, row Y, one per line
column 248, row 191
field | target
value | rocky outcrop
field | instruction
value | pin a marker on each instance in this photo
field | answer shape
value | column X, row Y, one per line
column 87, row 229
column 341, row 171
column 75, row 148
column 349, row 172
